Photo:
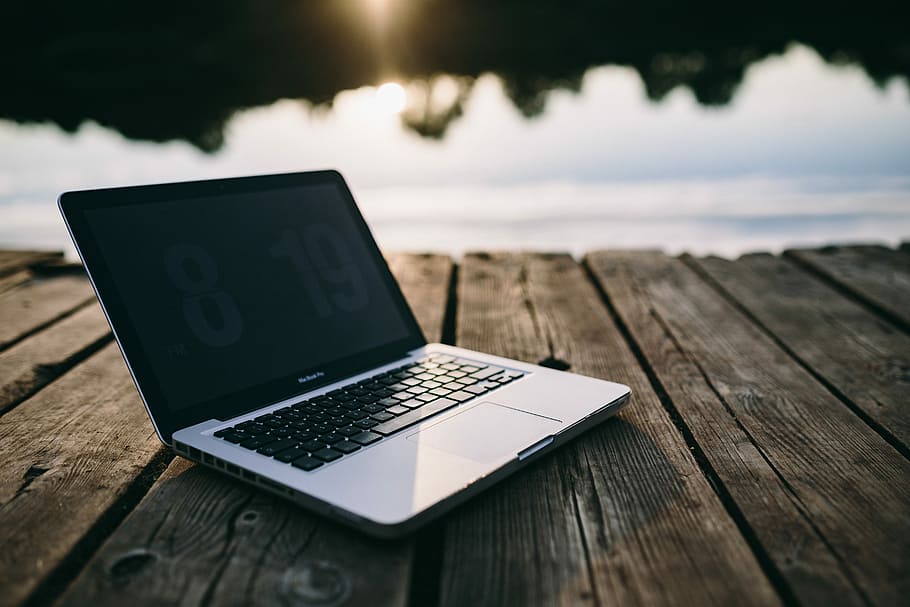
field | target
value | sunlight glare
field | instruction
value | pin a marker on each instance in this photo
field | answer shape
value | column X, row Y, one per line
column 391, row 98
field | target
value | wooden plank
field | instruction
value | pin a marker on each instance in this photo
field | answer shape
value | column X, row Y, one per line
column 14, row 279
column 877, row 275
column 36, row 361
column 853, row 351
column 826, row 497
column 200, row 537
column 11, row 261
column 68, row 454
column 621, row 516
column 39, row 302
column 425, row 280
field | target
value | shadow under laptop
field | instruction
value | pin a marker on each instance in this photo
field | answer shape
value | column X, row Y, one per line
column 200, row 535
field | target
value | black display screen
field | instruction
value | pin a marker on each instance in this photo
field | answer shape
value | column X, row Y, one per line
column 232, row 291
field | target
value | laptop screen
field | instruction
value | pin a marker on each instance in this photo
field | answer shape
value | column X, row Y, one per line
column 236, row 290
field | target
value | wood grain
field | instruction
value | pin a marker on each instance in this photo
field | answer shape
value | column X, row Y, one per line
column 424, row 279
column 11, row 261
column 875, row 274
column 826, row 497
column 621, row 516
column 37, row 303
column 68, row 454
column 201, row 538
column 14, row 279
column 858, row 354
column 33, row 363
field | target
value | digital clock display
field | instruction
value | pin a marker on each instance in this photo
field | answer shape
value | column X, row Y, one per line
column 230, row 292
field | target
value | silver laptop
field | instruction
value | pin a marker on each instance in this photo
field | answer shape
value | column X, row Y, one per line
column 269, row 340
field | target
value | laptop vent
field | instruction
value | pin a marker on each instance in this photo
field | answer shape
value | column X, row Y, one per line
column 210, row 460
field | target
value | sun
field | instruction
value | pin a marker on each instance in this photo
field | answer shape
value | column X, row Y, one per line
column 391, row 98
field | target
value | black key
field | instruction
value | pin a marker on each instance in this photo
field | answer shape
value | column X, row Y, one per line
column 279, row 432
column 277, row 446
column 236, row 437
column 375, row 408
column 276, row 422
column 244, row 425
column 354, row 404
column 485, row 373
column 367, row 399
column 397, row 387
column 289, row 455
column 258, row 441
column 388, row 381
column 366, row 424
column 384, row 393
column 346, row 446
column 318, row 417
column 389, row 402
column 337, row 392
column 303, row 424
column 366, row 438
column 349, row 431
column 461, row 396
column 327, row 455
column 223, row 431
column 292, row 416
column 339, row 422
column 357, row 391
column 303, row 436
column 306, row 463
column 358, row 414
column 414, row 416
column 283, row 410
column 396, row 410
column 257, row 428
column 333, row 437
column 335, row 411
column 382, row 416
column 313, row 445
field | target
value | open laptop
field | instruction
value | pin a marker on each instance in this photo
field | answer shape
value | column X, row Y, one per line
column 268, row 339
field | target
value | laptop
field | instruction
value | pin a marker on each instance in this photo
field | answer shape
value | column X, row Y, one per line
column 269, row 340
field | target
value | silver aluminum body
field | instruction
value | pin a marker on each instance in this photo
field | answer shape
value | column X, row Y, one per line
column 393, row 486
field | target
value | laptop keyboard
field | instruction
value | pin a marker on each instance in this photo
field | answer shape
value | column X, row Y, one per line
column 326, row 428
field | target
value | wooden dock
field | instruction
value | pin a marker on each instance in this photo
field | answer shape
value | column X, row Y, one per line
column 763, row 460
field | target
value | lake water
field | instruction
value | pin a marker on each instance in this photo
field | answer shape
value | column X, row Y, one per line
column 791, row 150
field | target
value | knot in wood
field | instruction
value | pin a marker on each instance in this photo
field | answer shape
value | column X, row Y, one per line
column 130, row 564
column 316, row 583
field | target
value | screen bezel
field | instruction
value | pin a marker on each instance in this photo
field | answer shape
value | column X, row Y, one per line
column 73, row 206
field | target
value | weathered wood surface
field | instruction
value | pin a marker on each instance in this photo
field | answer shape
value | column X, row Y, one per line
column 875, row 274
column 202, row 538
column 39, row 302
column 623, row 515
column 69, row 453
column 763, row 459
column 863, row 358
column 758, row 414
column 14, row 261
column 33, row 363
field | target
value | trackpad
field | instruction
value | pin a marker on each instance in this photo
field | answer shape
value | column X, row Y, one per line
column 487, row 432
